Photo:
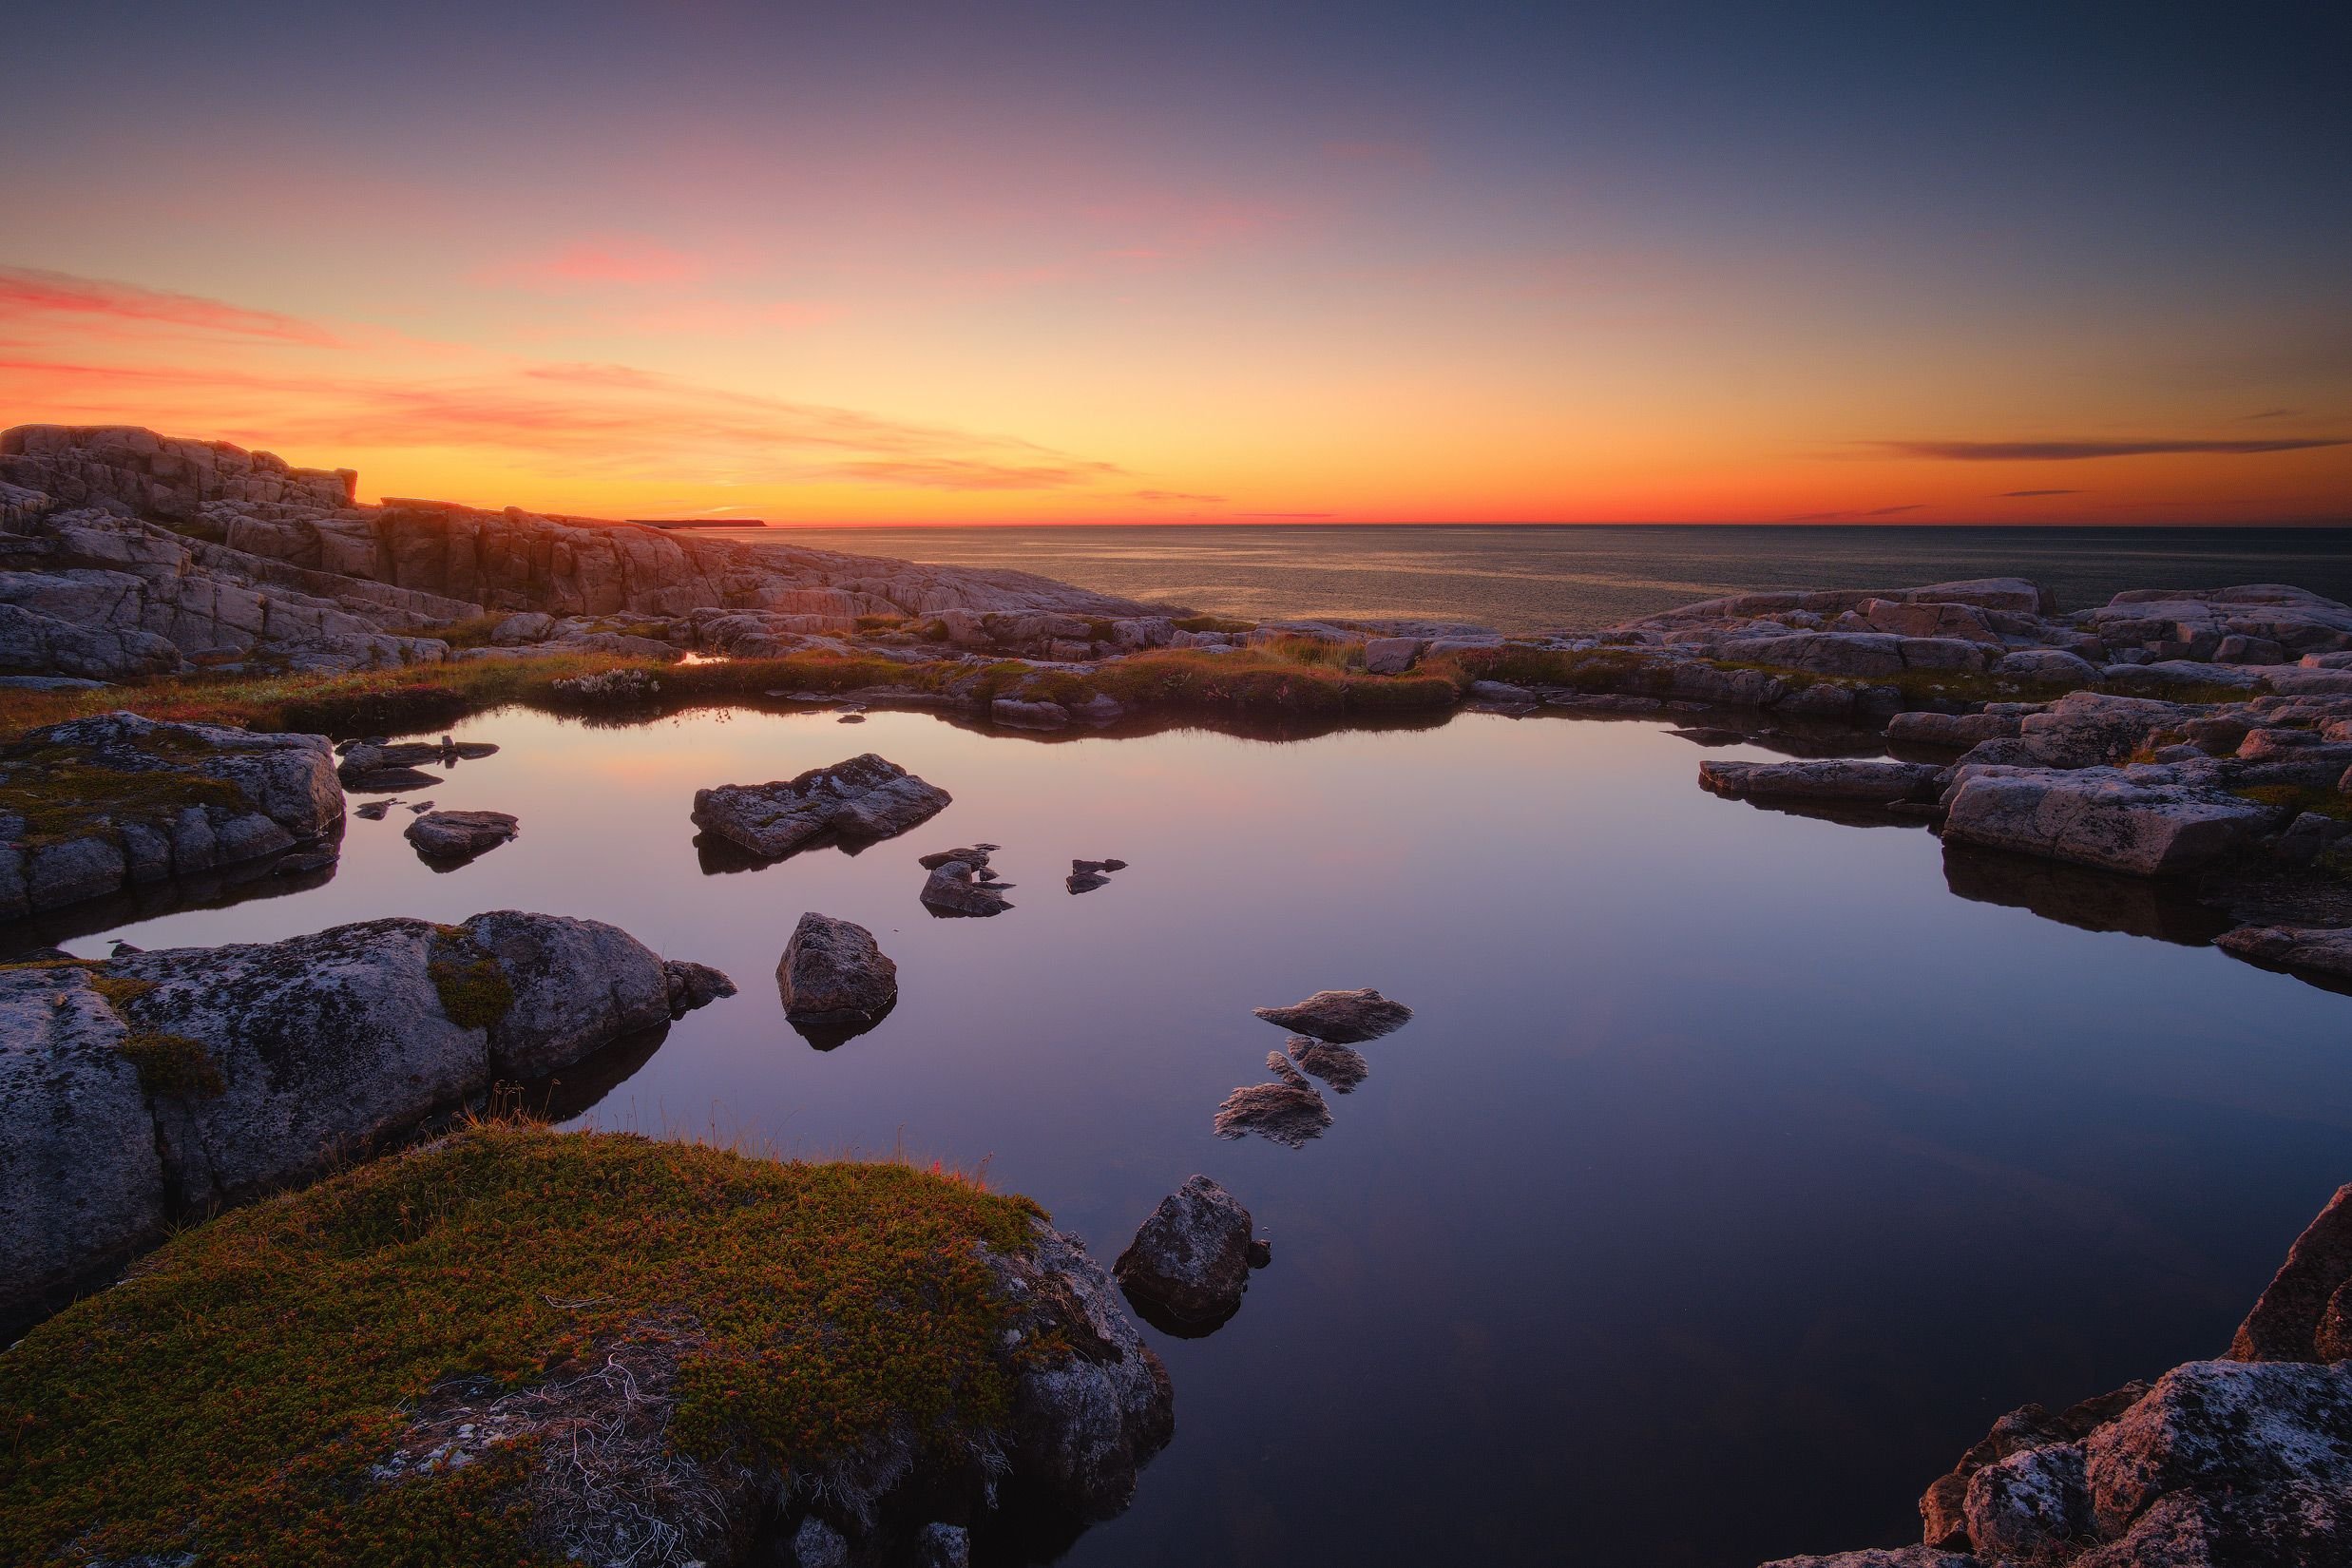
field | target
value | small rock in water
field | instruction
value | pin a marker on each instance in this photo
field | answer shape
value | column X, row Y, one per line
column 373, row 811
column 851, row 718
column 863, row 799
column 1342, row 1017
column 954, row 889
column 120, row 947
column 422, row 807
column 1191, row 1259
column 975, row 855
column 1085, row 884
column 1287, row 1113
column 835, row 981
column 459, row 836
column 1341, row 1067
column 1086, row 875
column 692, row 986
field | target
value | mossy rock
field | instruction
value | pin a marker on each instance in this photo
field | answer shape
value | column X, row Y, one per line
column 277, row 1387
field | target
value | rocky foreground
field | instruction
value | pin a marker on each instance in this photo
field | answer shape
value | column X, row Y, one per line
column 2246, row 1460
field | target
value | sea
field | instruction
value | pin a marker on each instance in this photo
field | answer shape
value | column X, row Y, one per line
column 1536, row 577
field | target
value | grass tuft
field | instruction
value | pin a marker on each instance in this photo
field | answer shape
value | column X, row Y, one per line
column 172, row 1064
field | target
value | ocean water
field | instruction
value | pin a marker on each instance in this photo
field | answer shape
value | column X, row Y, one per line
column 1584, row 576
column 1736, row 1171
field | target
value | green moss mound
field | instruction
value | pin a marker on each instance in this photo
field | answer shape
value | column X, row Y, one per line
column 61, row 793
column 173, row 1065
column 231, row 1397
column 475, row 991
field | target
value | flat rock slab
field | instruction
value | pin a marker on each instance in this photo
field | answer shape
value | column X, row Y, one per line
column 1288, row 1111
column 2137, row 820
column 2302, row 949
column 459, row 836
column 1834, row 778
column 1340, row 1017
column 863, row 799
column 1340, row 1066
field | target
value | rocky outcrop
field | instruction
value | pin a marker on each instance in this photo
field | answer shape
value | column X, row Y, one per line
column 1340, row 1017
column 861, row 801
column 451, row 836
column 835, row 979
column 138, row 553
column 2218, row 1464
column 155, row 1084
column 97, row 805
column 1191, row 1258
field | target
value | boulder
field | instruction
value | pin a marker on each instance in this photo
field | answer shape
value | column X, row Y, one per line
column 1831, row 779
column 833, row 975
column 1956, row 731
column 1191, row 1257
column 2139, row 820
column 2051, row 665
column 1392, row 655
column 258, row 1065
column 1342, row 1017
column 459, row 836
column 863, row 799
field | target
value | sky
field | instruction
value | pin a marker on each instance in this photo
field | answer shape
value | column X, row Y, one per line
column 893, row 263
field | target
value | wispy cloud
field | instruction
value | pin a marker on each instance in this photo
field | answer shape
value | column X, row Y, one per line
column 2014, row 495
column 1858, row 516
column 2273, row 413
column 1179, row 495
column 1298, row 517
column 2068, row 452
column 972, row 474
column 32, row 291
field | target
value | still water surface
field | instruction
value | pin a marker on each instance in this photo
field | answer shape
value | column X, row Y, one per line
column 1733, row 1174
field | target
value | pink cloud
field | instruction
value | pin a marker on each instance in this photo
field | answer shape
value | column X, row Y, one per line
column 30, row 291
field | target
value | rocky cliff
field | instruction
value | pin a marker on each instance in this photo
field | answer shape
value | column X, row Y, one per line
column 124, row 554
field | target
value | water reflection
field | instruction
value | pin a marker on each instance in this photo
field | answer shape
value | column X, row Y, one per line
column 1729, row 1154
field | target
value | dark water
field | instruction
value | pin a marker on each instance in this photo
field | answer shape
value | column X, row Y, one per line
column 1584, row 576
column 1733, row 1175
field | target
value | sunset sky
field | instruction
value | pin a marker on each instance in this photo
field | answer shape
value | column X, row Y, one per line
column 898, row 264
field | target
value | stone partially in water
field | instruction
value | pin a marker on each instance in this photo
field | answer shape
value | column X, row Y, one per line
column 957, row 887
column 1191, row 1257
column 834, row 978
column 1340, row 1017
column 863, row 799
column 1340, row 1066
column 459, row 836
column 1288, row 1111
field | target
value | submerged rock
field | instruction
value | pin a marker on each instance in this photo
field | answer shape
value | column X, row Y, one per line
column 459, row 836
column 1340, row 1017
column 863, row 799
column 1191, row 1257
column 1340, row 1066
column 170, row 1081
column 833, row 977
column 1288, row 1111
column 959, row 887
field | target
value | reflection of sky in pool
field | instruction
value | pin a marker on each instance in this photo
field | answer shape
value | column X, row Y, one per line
column 1730, row 1157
